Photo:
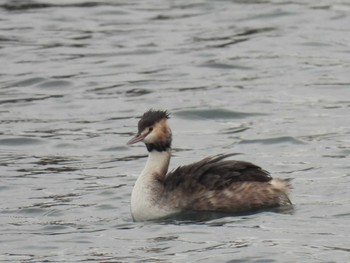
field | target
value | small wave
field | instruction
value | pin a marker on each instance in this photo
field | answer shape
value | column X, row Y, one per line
column 215, row 114
column 20, row 141
column 283, row 139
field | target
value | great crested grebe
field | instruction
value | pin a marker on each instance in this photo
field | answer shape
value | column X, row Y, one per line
column 212, row 184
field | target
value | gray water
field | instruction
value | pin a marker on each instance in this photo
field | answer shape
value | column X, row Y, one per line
column 266, row 79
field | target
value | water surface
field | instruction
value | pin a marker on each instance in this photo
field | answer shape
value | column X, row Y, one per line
column 266, row 79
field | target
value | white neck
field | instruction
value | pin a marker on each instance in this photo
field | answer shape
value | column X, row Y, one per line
column 157, row 165
column 148, row 189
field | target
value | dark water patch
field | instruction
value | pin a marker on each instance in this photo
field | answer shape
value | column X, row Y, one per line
column 61, row 198
column 174, row 150
column 220, row 41
column 54, row 200
column 26, row 121
column 66, row 145
column 186, row 5
column 59, row 223
column 55, row 229
column 94, row 187
column 48, row 204
column 337, row 156
column 28, row 5
column 131, row 157
column 78, row 132
column 298, row 170
column 173, row 17
column 105, row 88
column 213, row 38
column 103, row 257
column 20, row 100
column 64, row 76
column 54, row 160
column 111, row 187
column 235, row 130
column 283, row 139
column 31, row 210
column 245, row 32
column 200, row 88
column 47, row 165
column 143, row 82
column 345, row 151
column 343, row 215
column 84, row 35
column 137, row 52
column 217, row 218
column 20, row 141
column 344, row 249
column 17, row 5
column 46, row 170
column 55, row 84
column 115, row 149
column 330, row 107
column 318, row 137
column 152, row 71
column 315, row 44
column 251, row 2
column 4, row 188
column 21, row 257
column 48, row 133
column 254, row 31
column 330, row 85
column 57, row 45
column 8, row 39
column 252, row 260
column 27, row 82
column 277, row 13
column 215, row 114
column 229, row 43
column 105, row 207
column 10, row 159
column 220, row 65
column 137, row 92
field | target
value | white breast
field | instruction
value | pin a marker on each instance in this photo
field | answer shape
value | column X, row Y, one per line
column 146, row 197
column 146, row 204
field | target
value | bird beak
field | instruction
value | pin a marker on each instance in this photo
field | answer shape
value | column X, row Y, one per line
column 137, row 138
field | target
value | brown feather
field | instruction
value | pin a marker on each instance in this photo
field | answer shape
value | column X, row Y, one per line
column 221, row 185
column 214, row 173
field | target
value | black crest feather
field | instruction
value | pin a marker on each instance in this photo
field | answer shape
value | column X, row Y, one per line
column 151, row 117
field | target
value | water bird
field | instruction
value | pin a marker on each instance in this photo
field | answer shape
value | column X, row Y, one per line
column 213, row 184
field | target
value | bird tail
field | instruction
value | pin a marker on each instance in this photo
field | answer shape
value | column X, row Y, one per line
column 284, row 187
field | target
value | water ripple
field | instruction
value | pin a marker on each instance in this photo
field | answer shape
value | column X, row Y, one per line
column 215, row 114
column 283, row 139
column 20, row 141
column 267, row 77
